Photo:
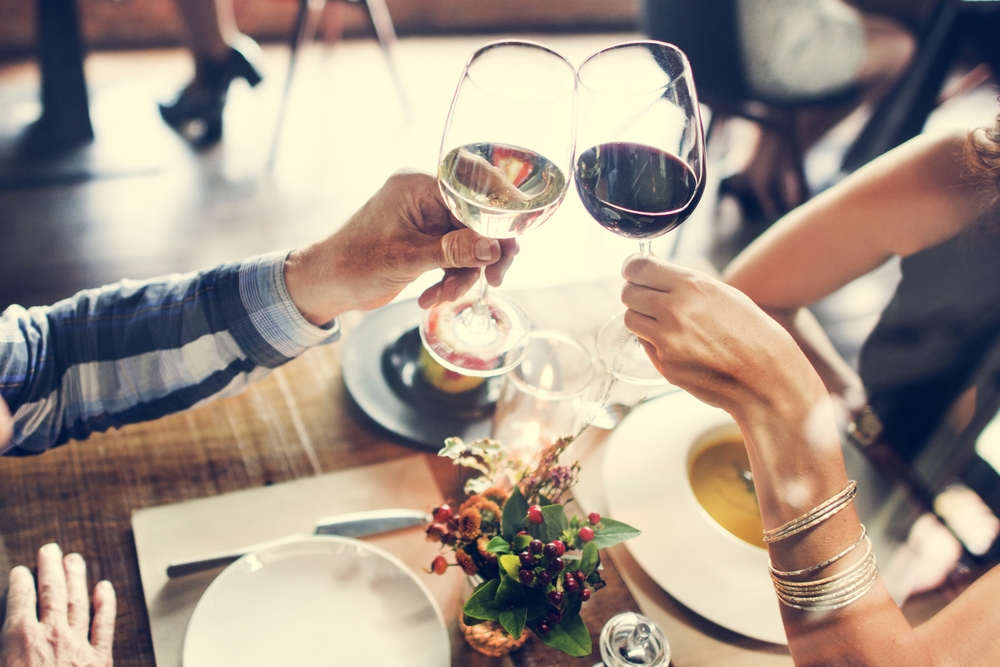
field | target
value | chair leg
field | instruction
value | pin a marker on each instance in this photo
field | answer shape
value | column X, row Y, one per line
column 302, row 32
column 386, row 32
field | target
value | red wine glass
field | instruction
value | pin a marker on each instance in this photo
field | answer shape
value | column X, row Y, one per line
column 641, row 171
column 503, row 169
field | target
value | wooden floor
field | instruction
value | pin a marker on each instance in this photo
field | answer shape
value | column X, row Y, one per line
column 140, row 202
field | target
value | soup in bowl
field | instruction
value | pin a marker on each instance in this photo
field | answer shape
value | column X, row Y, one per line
column 720, row 478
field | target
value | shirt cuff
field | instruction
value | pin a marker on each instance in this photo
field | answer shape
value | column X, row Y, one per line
column 272, row 311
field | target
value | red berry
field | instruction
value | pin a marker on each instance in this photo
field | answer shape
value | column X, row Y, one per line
column 535, row 515
column 551, row 550
column 570, row 584
column 442, row 514
column 522, row 532
column 594, row 518
column 557, row 565
column 527, row 560
column 544, row 578
column 535, row 546
column 553, row 616
column 586, row 534
column 585, row 594
column 560, row 547
column 578, row 575
column 439, row 565
column 555, row 598
column 526, row 577
column 543, row 628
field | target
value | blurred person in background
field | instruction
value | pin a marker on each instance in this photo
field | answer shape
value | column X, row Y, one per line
column 221, row 55
column 798, row 67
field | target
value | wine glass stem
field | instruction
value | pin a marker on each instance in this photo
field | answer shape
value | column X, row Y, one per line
column 645, row 247
column 478, row 319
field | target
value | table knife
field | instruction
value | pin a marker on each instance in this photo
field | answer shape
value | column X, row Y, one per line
column 354, row 524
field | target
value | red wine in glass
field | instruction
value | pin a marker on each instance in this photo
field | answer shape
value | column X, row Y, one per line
column 641, row 171
column 636, row 191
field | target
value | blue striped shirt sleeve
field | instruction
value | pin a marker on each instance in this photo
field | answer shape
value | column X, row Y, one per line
column 138, row 350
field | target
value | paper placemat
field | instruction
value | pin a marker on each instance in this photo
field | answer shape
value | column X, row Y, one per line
column 209, row 525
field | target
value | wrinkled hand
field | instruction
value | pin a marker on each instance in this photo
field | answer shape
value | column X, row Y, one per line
column 712, row 340
column 57, row 634
column 404, row 230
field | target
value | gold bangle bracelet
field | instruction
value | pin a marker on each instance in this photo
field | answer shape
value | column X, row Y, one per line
column 833, row 592
column 820, row 566
column 833, row 578
column 816, row 515
column 834, row 601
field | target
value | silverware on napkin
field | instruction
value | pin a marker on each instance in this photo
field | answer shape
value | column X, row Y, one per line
column 354, row 524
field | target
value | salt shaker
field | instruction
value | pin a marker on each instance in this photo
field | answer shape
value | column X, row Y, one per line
column 632, row 639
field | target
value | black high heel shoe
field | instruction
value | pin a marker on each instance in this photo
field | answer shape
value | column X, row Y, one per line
column 196, row 113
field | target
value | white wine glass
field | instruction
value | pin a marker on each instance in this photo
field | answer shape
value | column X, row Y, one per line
column 504, row 168
column 641, row 169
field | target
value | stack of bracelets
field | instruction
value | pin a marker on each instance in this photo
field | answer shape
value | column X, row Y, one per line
column 838, row 590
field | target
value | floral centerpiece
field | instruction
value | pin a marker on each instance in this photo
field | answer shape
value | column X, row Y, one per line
column 533, row 564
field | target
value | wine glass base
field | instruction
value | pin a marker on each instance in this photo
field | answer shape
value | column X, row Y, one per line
column 624, row 356
column 486, row 351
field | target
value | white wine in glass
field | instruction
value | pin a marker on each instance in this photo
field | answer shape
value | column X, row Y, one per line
column 504, row 166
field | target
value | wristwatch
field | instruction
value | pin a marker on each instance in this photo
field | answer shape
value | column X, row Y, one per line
column 866, row 427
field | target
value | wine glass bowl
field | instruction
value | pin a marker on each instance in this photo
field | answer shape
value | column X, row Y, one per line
column 503, row 169
column 641, row 172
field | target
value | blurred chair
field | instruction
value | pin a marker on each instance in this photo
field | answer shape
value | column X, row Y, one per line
column 304, row 30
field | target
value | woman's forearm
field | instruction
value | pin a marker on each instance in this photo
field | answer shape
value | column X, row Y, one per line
column 797, row 464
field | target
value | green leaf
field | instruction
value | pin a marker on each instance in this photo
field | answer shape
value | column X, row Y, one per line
column 510, row 594
column 520, row 543
column 571, row 637
column 513, row 620
column 573, row 606
column 498, row 545
column 571, row 564
column 481, row 603
column 453, row 448
column 474, row 464
column 538, row 601
column 555, row 521
column 590, row 559
column 612, row 533
column 511, row 564
column 514, row 511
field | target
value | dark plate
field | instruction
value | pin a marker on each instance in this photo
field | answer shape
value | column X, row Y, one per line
column 382, row 373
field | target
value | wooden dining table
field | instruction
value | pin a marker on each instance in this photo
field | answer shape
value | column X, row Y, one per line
column 300, row 422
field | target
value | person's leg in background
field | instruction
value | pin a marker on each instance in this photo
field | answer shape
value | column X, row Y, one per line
column 65, row 119
column 221, row 54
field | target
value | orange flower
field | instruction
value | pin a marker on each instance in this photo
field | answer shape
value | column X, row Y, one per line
column 470, row 502
column 469, row 522
column 496, row 494
column 465, row 561
column 489, row 511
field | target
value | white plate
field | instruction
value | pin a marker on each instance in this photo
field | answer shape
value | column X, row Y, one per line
column 322, row 600
column 682, row 548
